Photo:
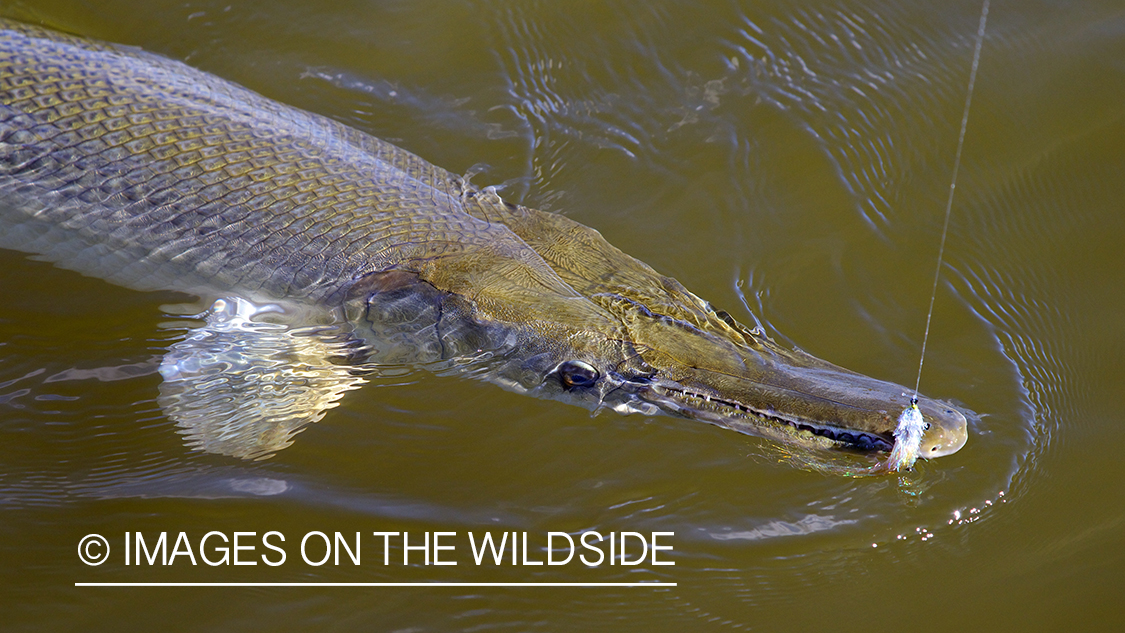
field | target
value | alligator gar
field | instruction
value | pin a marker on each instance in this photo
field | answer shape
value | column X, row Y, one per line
column 147, row 173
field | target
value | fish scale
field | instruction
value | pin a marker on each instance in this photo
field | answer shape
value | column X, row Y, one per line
column 173, row 170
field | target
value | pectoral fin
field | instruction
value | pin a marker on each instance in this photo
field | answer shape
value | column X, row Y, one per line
column 243, row 388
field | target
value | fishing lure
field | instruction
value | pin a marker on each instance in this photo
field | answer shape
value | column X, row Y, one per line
column 908, row 438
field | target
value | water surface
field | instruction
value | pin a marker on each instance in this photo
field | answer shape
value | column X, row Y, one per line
column 789, row 162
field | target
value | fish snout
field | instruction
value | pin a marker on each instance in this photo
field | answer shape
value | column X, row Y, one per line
column 948, row 430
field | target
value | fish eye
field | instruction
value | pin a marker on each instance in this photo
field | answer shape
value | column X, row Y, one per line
column 577, row 373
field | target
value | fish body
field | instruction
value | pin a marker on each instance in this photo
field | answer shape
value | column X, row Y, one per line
column 150, row 174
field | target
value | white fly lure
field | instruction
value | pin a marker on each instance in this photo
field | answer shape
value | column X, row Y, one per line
column 908, row 438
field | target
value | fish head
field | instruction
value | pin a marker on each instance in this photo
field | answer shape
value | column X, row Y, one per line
column 559, row 313
column 699, row 363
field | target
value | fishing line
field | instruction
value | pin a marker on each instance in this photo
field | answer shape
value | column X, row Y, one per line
column 911, row 424
column 952, row 189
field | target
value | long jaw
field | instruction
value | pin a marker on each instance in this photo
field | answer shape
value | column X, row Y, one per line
column 769, row 422
column 800, row 400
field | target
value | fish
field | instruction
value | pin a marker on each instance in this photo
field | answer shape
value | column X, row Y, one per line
column 327, row 254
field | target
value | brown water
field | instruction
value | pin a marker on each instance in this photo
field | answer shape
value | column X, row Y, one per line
column 786, row 159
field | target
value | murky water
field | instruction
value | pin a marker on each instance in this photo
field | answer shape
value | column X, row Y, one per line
column 786, row 159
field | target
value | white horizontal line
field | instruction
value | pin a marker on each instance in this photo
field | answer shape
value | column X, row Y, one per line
column 375, row 584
